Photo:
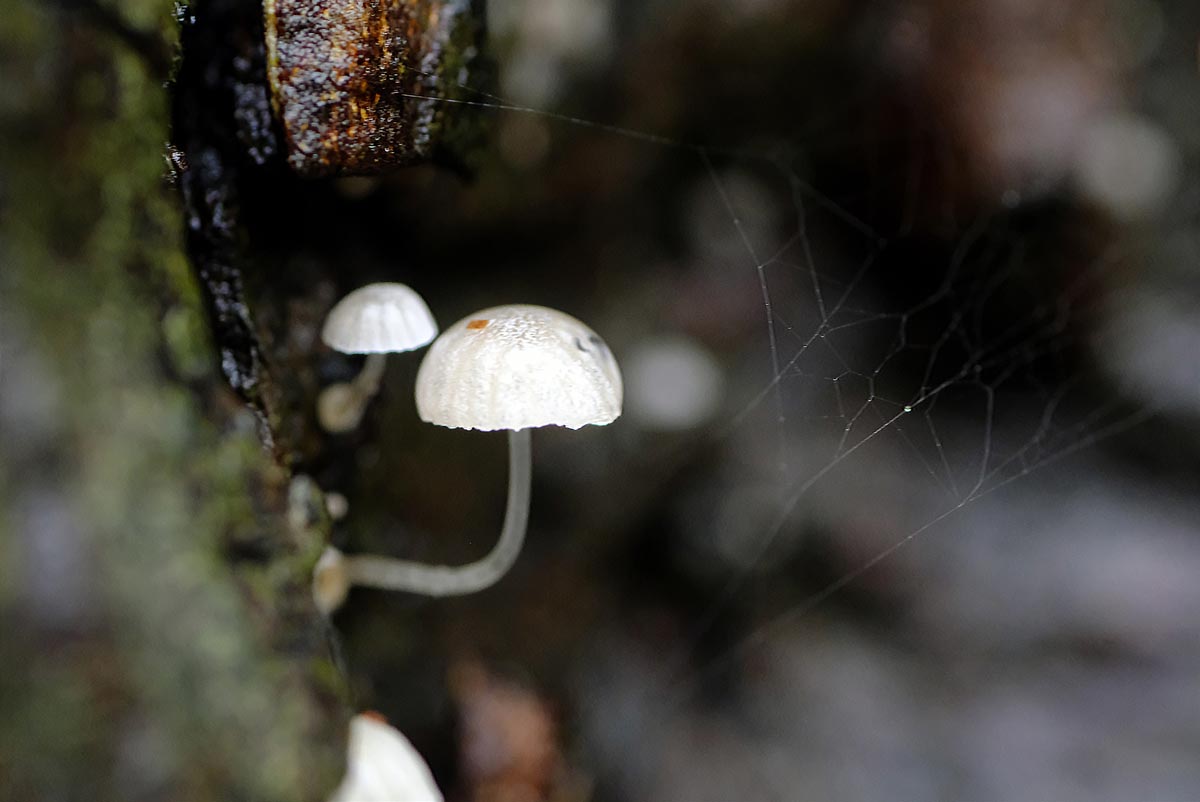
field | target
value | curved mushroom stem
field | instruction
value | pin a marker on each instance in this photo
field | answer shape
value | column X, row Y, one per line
column 368, row 379
column 340, row 406
column 444, row 580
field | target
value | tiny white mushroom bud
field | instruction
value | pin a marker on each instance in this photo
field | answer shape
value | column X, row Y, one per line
column 340, row 408
column 331, row 584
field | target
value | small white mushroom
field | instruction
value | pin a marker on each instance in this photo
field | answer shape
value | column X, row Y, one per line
column 382, row 766
column 375, row 320
column 509, row 367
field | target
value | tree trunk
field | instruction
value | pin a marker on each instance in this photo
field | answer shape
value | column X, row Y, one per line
column 157, row 631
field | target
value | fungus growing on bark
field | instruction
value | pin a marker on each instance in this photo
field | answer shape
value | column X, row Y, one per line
column 510, row 367
column 375, row 320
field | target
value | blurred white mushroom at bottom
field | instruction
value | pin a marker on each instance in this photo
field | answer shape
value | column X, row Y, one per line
column 382, row 766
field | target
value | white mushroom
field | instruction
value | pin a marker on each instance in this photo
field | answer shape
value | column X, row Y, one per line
column 509, row 367
column 515, row 367
column 375, row 320
column 382, row 766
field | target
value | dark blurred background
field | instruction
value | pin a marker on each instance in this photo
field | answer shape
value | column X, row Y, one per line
column 903, row 502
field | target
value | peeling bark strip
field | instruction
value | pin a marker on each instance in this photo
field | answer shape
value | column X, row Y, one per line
column 342, row 73
column 221, row 126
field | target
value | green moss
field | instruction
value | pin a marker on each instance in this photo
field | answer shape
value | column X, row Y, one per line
column 221, row 658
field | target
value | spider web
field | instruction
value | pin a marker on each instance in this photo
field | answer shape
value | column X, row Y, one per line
column 819, row 329
column 921, row 358
column 902, row 369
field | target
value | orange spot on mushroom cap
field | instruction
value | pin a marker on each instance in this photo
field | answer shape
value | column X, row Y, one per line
column 374, row 715
column 477, row 324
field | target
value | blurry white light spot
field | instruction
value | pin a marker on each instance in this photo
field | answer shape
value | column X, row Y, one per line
column 581, row 29
column 336, row 505
column 1151, row 345
column 1029, row 121
column 672, row 383
column 1126, row 164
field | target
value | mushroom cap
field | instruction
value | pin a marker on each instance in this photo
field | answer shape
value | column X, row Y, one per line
column 379, row 319
column 516, row 367
column 382, row 765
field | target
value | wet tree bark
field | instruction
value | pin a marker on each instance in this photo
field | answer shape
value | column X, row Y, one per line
column 157, row 631
column 158, row 634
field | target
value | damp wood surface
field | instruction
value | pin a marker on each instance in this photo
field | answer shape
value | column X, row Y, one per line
column 347, row 78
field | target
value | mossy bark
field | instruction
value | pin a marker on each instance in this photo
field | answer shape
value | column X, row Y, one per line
column 156, row 629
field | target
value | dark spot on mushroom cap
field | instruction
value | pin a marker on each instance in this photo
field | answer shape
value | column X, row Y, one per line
column 600, row 348
column 477, row 324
